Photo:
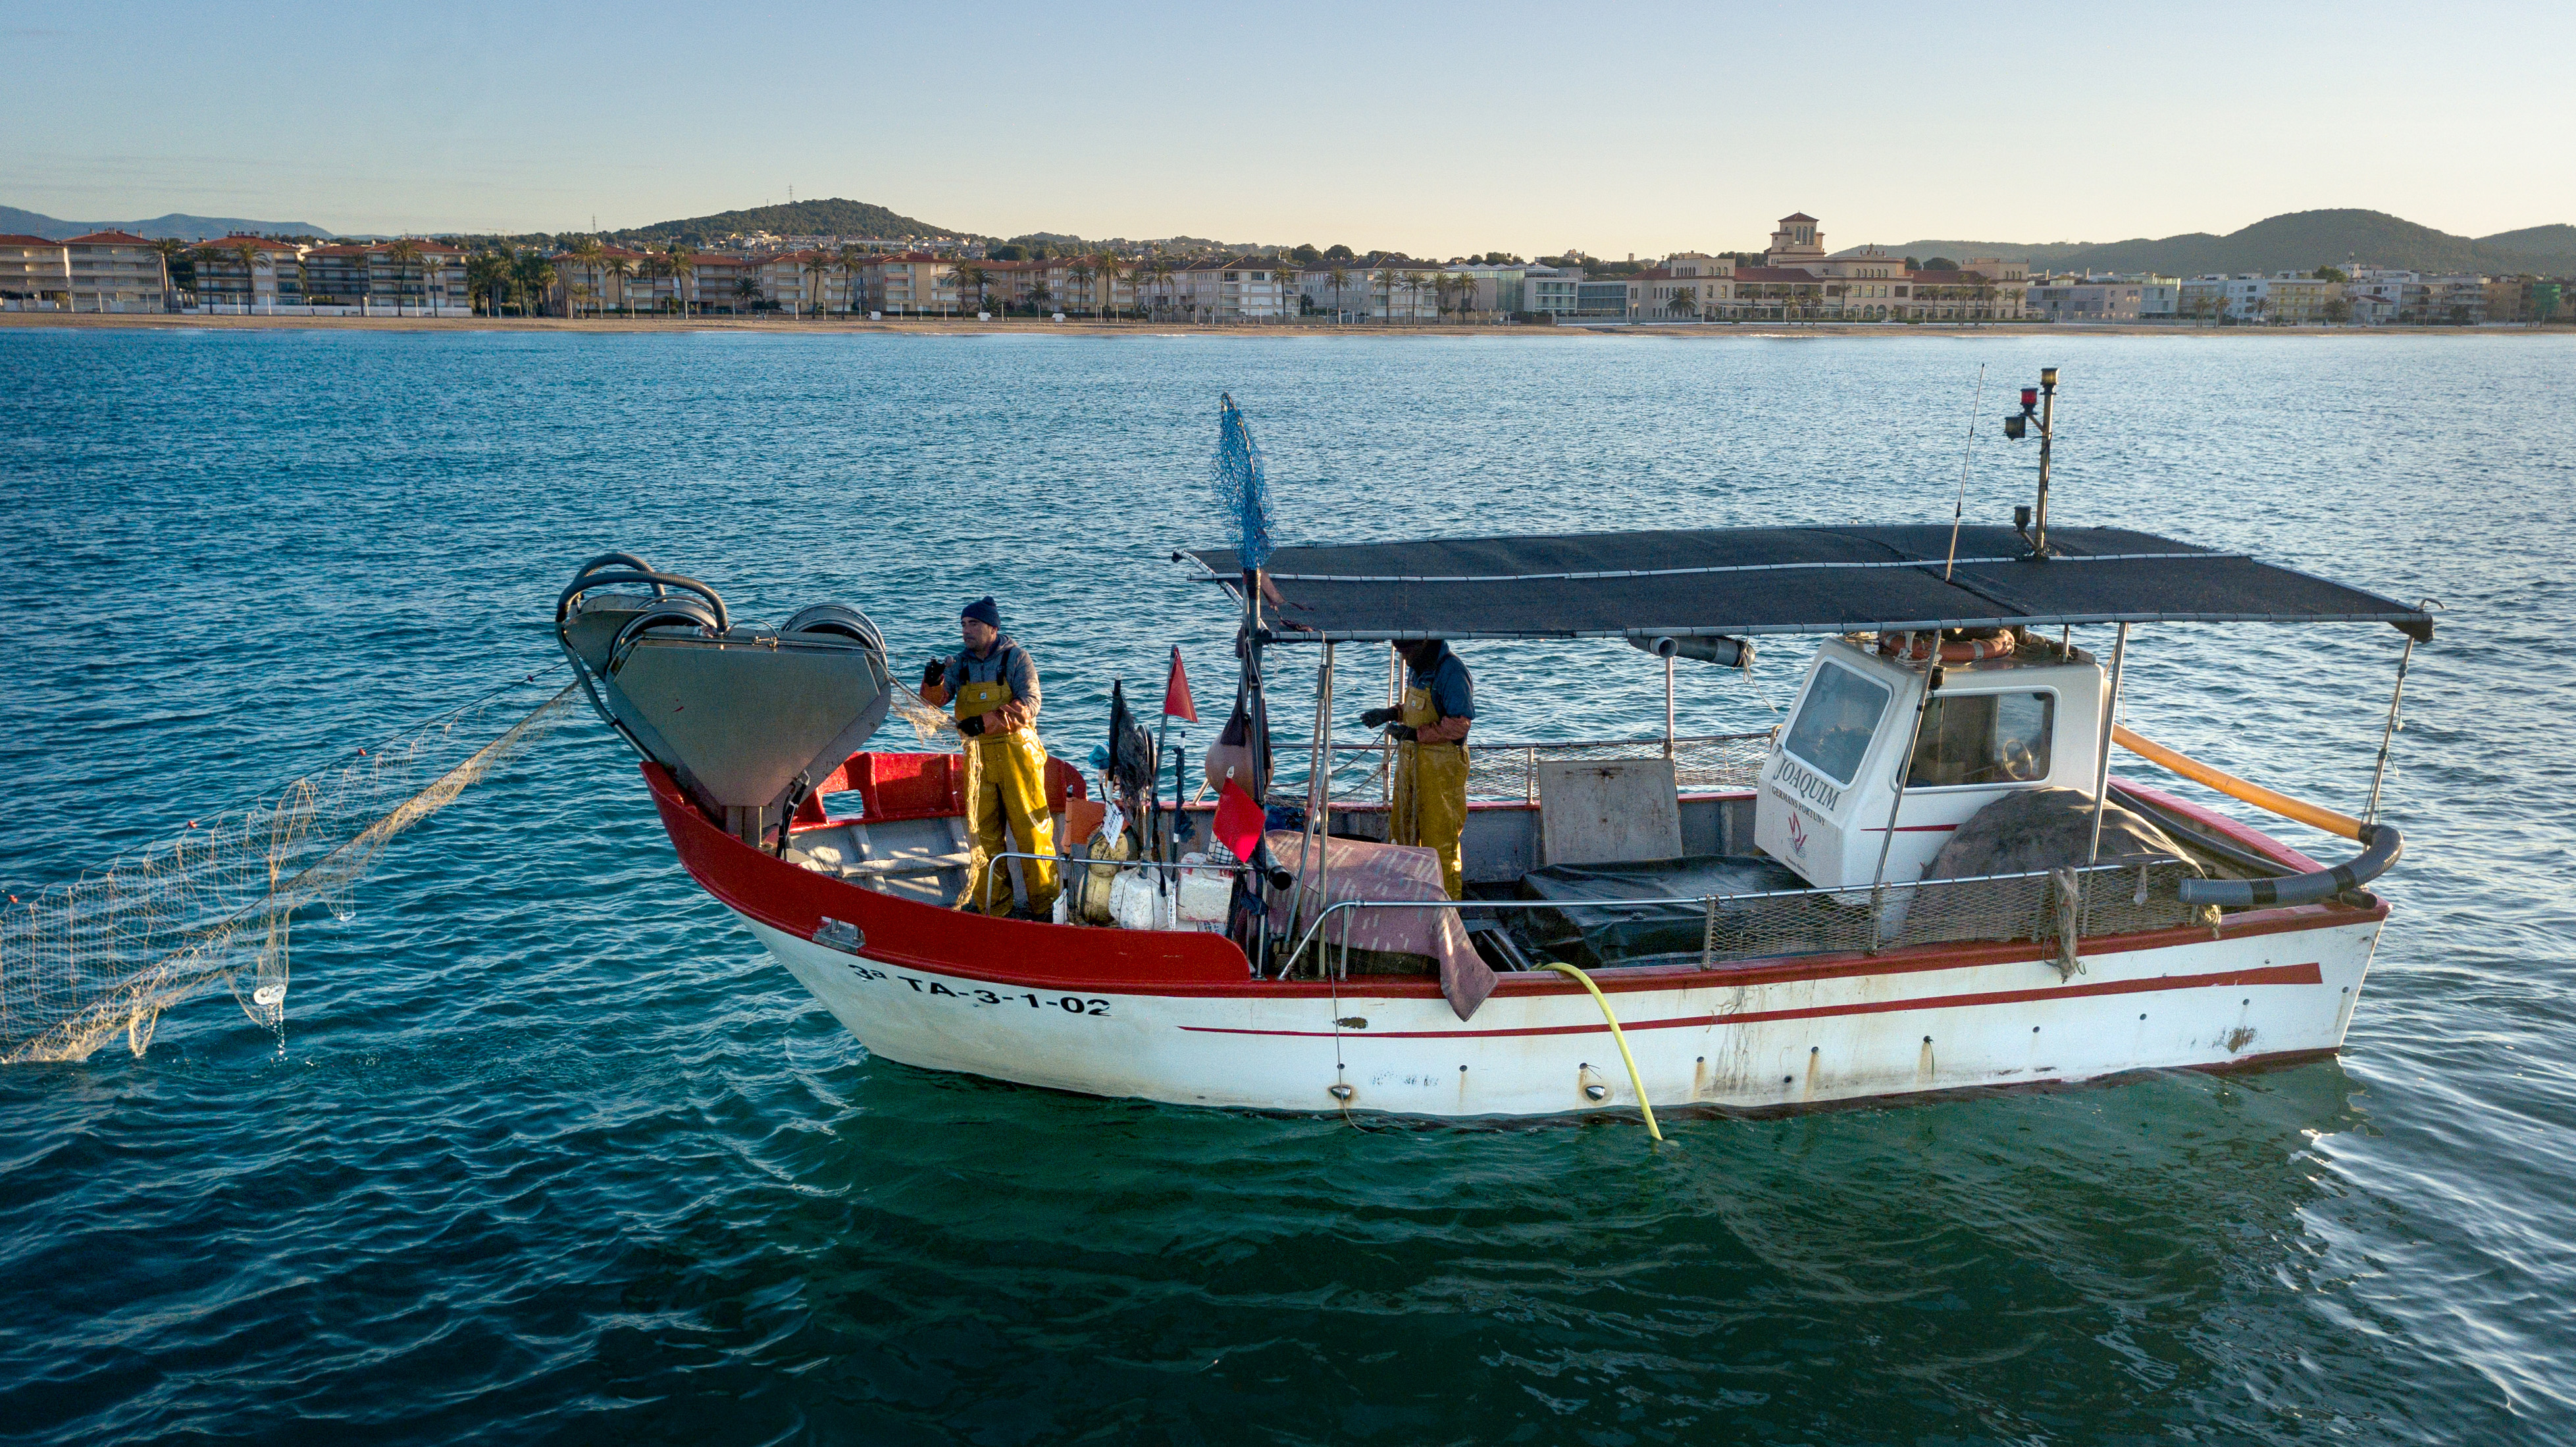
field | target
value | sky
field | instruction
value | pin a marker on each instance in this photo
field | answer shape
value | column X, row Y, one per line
column 1436, row 130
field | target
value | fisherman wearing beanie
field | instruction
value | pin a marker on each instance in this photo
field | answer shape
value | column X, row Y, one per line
column 994, row 685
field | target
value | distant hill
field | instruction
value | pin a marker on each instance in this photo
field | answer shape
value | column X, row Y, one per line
column 177, row 223
column 834, row 217
column 2299, row 241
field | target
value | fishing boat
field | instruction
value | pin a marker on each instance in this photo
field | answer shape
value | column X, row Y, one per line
column 1926, row 880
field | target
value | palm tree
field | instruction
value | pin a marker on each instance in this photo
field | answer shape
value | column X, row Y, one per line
column 1110, row 266
column 1039, row 296
column 485, row 271
column 851, row 256
column 1683, row 300
column 589, row 254
column 247, row 251
column 1079, row 275
column 622, row 266
column 682, row 258
column 405, row 255
column 199, row 258
column 1158, row 269
column 171, row 249
column 1338, row 278
column 746, row 289
column 531, row 273
column 818, row 264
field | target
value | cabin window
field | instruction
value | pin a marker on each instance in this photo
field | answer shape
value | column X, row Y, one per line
column 1835, row 723
column 1983, row 738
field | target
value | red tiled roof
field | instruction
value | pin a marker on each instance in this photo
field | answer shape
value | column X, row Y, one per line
column 26, row 241
column 107, row 238
column 1775, row 275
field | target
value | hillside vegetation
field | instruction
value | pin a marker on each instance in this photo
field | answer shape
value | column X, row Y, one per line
column 832, row 217
column 2297, row 241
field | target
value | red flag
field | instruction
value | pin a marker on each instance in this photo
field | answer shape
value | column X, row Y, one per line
column 1176, row 691
column 1238, row 820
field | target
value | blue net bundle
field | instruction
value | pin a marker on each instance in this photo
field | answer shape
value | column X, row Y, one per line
column 1242, row 487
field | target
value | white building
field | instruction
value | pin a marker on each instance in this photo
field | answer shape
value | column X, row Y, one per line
column 2281, row 298
column 35, row 274
column 115, row 271
column 2105, row 298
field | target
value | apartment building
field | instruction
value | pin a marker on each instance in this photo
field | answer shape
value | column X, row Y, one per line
column 1079, row 284
column 2459, row 301
column 116, row 271
column 35, row 274
column 425, row 277
column 2105, row 298
column 2282, row 298
column 813, row 282
column 1382, row 287
column 248, row 273
column 912, row 283
column 2380, row 296
column 1239, row 288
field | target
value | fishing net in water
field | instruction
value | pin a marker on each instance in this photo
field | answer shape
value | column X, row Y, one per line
column 83, row 963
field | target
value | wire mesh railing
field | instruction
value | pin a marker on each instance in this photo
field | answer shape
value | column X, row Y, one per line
column 2062, row 908
column 1509, row 770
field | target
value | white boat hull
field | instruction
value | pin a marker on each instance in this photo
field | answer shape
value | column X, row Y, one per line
column 1732, row 1038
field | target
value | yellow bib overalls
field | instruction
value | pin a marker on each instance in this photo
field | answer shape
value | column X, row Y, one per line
column 1430, row 791
column 1005, row 781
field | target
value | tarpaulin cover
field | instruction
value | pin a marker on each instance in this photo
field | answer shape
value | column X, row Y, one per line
column 1361, row 869
column 1596, row 936
column 1785, row 580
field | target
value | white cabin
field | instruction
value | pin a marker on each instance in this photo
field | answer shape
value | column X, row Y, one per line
column 2026, row 721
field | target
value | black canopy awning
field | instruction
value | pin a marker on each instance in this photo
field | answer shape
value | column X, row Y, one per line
column 1785, row 580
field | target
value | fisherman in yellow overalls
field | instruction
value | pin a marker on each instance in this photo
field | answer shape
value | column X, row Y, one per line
column 1430, row 731
column 996, row 688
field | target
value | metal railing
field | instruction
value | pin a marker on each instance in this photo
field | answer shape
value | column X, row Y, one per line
column 2066, row 906
column 1509, row 770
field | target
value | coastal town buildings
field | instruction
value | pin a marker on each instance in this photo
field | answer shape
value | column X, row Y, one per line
column 34, row 273
column 115, row 271
column 912, row 283
column 248, row 273
column 2105, row 298
column 2284, row 298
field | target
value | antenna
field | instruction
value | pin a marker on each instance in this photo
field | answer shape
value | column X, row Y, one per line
column 1959, row 510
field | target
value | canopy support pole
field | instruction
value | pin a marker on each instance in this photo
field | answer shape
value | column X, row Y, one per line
column 2379, row 771
column 1904, row 771
column 2102, row 758
column 1668, row 708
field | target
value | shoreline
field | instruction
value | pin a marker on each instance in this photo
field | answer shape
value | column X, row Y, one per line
column 835, row 326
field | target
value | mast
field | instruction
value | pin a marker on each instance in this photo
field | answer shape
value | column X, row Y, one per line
column 2047, row 430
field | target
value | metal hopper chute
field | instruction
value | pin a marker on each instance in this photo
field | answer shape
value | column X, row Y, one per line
column 746, row 719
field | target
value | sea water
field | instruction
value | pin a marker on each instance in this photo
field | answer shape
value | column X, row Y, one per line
column 553, row 1152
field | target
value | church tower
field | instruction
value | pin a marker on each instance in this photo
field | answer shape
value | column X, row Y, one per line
column 1797, row 243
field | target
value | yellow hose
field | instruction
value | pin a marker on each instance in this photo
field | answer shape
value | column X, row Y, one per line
column 2314, row 815
column 1615, row 1038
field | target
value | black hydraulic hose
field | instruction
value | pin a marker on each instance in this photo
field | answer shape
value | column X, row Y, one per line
column 623, row 560
column 2380, row 848
column 581, row 585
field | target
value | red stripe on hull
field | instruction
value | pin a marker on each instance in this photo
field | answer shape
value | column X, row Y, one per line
column 2269, row 975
